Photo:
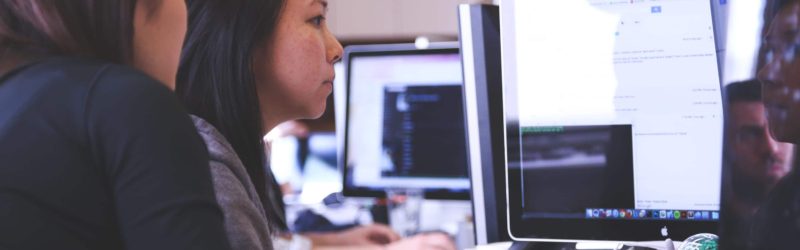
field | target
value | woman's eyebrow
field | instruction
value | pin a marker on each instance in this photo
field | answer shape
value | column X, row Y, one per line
column 324, row 3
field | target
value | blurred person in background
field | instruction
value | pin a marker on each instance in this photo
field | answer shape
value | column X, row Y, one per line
column 755, row 159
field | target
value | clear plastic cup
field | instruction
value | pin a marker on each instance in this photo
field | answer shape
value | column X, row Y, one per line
column 404, row 210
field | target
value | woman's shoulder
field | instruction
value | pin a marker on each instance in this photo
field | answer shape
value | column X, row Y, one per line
column 81, row 71
column 79, row 77
column 93, row 83
column 218, row 147
column 122, row 80
column 244, row 214
column 86, row 95
column 220, row 152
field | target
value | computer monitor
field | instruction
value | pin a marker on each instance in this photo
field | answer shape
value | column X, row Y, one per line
column 404, row 121
column 479, row 34
column 614, row 119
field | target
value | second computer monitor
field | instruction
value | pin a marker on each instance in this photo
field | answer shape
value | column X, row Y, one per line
column 614, row 119
column 404, row 125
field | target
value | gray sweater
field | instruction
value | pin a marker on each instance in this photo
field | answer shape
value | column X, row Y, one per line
column 245, row 219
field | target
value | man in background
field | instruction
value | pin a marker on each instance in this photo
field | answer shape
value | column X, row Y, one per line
column 755, row 159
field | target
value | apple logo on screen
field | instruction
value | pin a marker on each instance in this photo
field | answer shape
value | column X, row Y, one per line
column 664, row 231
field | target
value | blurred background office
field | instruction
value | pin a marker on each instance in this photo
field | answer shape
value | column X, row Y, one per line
column 740, row 26
column 304, row 152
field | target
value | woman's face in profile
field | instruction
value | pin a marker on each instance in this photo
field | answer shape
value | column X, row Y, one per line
column 780, row 76
column 294, row 71
column 159, row 27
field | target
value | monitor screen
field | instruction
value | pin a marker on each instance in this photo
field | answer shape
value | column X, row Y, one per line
column 405, row 121
column 614, row 119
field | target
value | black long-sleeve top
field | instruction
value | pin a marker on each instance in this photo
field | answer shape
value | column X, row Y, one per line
column 100, row 156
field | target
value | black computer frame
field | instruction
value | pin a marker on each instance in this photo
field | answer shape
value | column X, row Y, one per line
column 378, row 50
column 483, row 105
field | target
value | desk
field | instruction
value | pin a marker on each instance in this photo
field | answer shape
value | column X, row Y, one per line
column 582, row 245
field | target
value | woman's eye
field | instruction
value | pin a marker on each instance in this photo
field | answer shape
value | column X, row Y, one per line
column 317, row 20
column 769, row 56
column 789, row 54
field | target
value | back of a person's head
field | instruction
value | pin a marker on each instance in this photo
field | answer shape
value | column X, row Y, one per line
column 99, row 29
column 744, row 91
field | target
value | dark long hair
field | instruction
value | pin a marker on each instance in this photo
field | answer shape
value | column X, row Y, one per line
column 216, row 80
column 778, row 5
column 100, row 29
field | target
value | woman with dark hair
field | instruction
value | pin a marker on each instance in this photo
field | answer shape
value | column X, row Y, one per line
column 95, row 154
column 247, row 66
column 776, row 224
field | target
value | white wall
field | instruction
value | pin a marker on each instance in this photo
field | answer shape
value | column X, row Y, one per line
column 394, row 19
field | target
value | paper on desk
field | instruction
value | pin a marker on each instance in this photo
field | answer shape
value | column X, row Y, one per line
column 659, row 245
column 493, row 246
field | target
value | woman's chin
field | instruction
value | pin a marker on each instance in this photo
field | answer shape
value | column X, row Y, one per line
column 316, row 113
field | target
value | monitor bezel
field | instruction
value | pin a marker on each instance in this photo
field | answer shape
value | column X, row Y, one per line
column 583, row 230
column 355, row 51
column 484, row 105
